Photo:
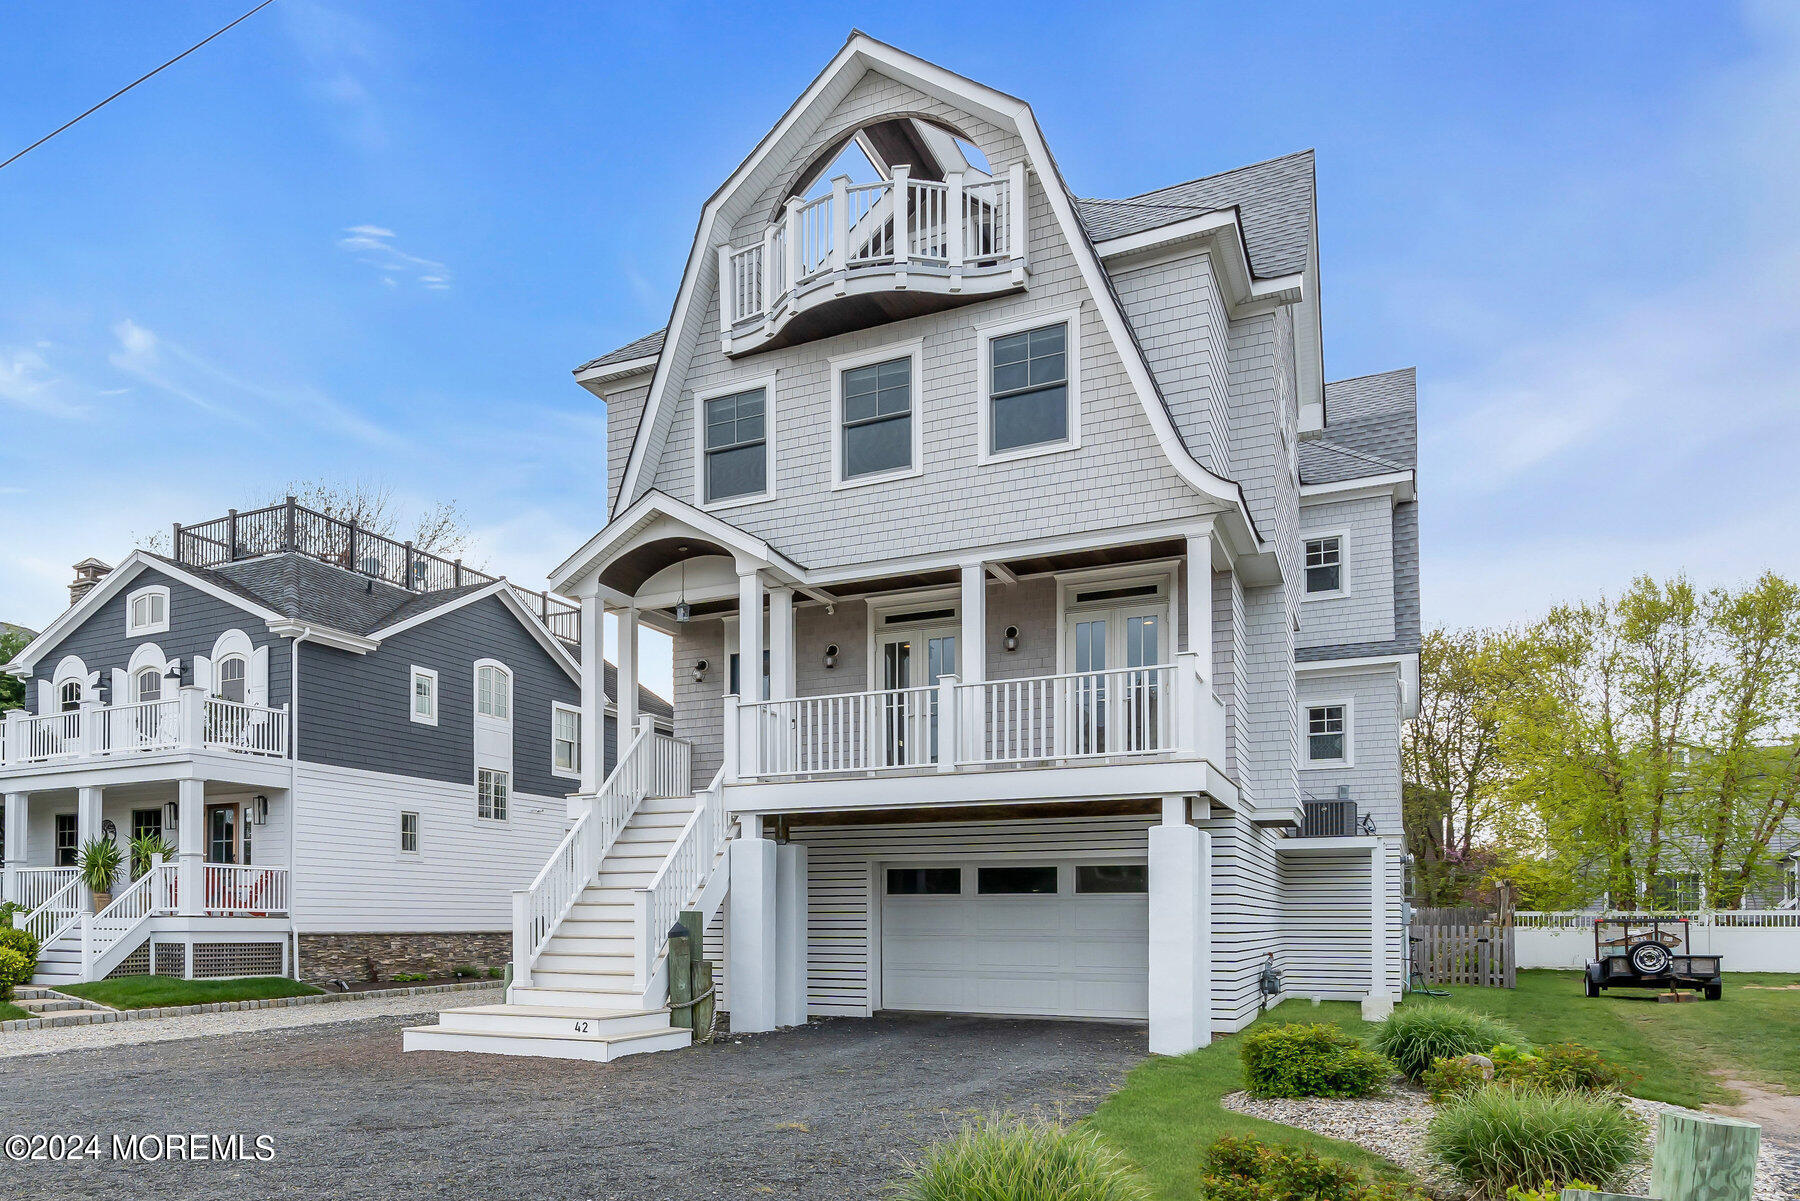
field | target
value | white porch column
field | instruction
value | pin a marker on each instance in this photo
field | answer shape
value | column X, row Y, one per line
column 1180, row 933
column 593, row 694
column 971, row 667
column 18, row 814
column 783, row 671
column 87, row 814
column 627, row 700
column 750, row 633
column 790, row 934
column 1380, row 1002
column 190, row 847
column 751, row 934
column 1199, row 600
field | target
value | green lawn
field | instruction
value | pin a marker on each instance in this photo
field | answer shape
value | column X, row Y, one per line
column 144, row 992
column 1167, row 1113
column 10, row 1012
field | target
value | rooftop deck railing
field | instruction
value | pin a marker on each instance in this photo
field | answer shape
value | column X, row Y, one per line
column 291, row 527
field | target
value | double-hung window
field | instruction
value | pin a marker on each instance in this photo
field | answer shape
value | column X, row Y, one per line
column 875, row 413
column 68, row 839
column 1029, row 389
column 736, row 459
column 491, row 788
column 1325, row 565
column 424, row 696
column 565, row 740
column 1328, row 735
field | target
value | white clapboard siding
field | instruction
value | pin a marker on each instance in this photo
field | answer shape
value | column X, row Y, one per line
column 1325, row 925
column 350, row 875
column 1245, row 926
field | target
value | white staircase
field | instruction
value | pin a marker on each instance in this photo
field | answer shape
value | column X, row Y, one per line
column 589, row 934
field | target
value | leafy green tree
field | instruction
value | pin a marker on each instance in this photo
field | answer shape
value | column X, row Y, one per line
column 12, row 691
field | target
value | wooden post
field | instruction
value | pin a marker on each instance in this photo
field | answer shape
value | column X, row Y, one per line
column 1701, row 1157
column 681, row 977
column 703, row 1009
column 290, row 523
column 231, row 534
column 175, row 545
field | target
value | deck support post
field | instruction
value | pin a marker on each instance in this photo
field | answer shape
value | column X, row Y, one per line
column 1380, row 1002
column 1704, row 1157
column 751, row 935
column 190, row 849
column 1180, row 933
column 18, row 812
column 790, row 934
column 627, row 700
column 88, row 803
column 964, row 740
column 781, row 644
column 593, row 695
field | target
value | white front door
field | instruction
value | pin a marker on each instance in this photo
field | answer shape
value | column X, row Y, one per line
column 1109, row 712
column 1053, row 939
column 910, row 661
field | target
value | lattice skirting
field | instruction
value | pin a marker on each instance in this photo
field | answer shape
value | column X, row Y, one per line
column 171, row 959
column 135, row 964
column 215, row 960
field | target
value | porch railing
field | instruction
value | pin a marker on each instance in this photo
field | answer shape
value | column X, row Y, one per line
column 151, row 894
column 683, row 878
column 234, row 891
column 191, row 721
column 1159, row 710
column 653, row 765
column 37, row 885
column 899, row 222
column 61, row 906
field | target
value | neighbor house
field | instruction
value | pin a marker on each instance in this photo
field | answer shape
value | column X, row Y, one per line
column 352, row 749
column 1043, row 621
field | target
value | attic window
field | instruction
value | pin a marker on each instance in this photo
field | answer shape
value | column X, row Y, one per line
column 147, row 611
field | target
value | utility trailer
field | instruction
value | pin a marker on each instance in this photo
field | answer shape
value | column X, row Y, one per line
column 1649, row 953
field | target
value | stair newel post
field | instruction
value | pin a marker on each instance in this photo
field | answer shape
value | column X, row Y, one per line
column 521, row 938
column 87, row 946
column 643, row 944
column 681, row 976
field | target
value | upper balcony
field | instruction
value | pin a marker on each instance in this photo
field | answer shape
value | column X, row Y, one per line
column 96, row 734
column 863, row 254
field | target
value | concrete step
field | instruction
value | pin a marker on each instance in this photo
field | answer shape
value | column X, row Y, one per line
column 569, row 1021
column 592, row 1050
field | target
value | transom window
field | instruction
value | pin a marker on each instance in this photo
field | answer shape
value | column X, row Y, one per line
column 1037, row 880
column 230, row 685
column 1104, row 878
column 878, row 418
column 1028, row 388
column 1325, row 564
column 493, row 692
column 565, row 739
column 148, row 611
column 491, row 788
column 737, row 461
column 1327, row 733
column 924, row 881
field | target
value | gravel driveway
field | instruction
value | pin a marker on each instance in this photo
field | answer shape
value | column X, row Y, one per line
column 825, row 1111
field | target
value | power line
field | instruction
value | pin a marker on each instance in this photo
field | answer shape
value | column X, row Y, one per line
column 15, row 158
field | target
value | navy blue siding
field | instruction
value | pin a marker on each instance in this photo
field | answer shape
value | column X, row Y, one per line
column 196, row 619
column 355, row 709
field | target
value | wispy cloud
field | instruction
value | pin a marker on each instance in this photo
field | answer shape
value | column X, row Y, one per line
column 27, row 382
column 341, row 50
column 374, row 245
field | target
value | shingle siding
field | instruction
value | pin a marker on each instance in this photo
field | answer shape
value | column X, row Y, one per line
column 1366, row 612
column 1374, row 774
column 1175, row 307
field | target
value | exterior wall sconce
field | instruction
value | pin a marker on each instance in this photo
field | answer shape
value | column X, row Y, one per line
column 699, row 670
column 831, row 654
column 1012, row 638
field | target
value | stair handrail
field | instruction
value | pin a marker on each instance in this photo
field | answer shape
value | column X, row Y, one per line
column 60, row 911
column 540, row 908
column 147, row 897
column 683, row 876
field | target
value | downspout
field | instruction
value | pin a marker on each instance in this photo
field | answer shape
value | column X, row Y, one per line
column 293, row 791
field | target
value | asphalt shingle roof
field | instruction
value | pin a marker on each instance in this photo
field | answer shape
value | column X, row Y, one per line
column 649, row 344
column 648, row 702
column 1273, row 198
column 1371, row 428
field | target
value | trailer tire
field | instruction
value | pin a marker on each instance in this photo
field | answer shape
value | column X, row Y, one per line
column 1714, row 991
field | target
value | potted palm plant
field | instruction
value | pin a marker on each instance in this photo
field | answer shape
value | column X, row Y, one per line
column 144, row 849
column 99, row 866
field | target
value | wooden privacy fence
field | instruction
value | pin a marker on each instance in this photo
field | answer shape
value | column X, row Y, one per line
column 1462, row 951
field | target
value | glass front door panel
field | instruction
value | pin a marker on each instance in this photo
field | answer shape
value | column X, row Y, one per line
column 1140, row 698
column 221, row 834
column 909, row 719
column 1089, row 686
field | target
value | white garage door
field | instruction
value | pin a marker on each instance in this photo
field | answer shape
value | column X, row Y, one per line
column 1058, row 939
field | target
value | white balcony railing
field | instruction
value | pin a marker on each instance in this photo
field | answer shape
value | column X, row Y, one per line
column 234, row 891
column 952, row 225
column 1163, row 710
column 680, row 881
column 191, row 721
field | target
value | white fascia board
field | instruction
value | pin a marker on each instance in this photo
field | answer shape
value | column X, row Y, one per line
column 1320, row 666
column 293, row 627
column 617, row 532
column 1223, row 233
column 594, row 379
column 134, row 565
column 1401, row 485
column 862, row 52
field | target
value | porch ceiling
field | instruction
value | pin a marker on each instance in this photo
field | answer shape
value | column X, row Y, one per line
column 628, row 572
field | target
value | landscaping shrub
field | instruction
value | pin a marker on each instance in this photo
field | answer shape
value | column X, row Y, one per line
column 1310, row 1061
column 1453, row 1077
column 1011, row 1159
column 16, row 968
column 1416, row 1036
column 1245, row 1169
column 1573, row 1066
column 1497, row 1138
column 1548, row 1193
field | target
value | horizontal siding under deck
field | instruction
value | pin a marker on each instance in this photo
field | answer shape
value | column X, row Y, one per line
column 1246, row 917
column 1325, row 925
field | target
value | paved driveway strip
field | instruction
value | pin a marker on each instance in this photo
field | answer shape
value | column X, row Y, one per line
column 825, row 1112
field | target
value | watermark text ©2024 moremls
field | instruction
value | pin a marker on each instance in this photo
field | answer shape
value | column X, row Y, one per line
column 140, row 1148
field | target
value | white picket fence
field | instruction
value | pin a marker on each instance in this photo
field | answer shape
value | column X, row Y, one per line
column 1748, row 940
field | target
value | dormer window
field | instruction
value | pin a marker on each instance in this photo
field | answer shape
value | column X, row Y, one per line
column 147, row 611
column 734, row 463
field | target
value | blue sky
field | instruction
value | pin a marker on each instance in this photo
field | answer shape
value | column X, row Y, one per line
column 370, row 241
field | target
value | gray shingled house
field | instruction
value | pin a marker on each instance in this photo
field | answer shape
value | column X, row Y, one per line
column 353, row 749
column 1044, row 622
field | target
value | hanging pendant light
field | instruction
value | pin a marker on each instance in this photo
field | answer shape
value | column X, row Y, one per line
column 682, row 610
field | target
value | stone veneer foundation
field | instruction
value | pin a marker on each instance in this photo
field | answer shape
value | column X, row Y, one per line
column 360, row 957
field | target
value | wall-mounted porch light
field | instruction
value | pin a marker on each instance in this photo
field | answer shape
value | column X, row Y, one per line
column 1012, row 638
column 831, row 654
column 699, row 670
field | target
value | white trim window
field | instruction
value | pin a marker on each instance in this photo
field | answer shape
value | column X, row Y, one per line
column 231, row 678
column 493, row 691
column 1325, row 566
column 147, row 611
column 565, row 740
column 1328, row 734
column 875, row 416
column 734, row 433
column 492, row 787
column 409, row 832
column 147, row 684
column 423, row 696
column 1030, row 387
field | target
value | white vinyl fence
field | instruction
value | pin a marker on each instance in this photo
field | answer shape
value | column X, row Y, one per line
column 1748, row 940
